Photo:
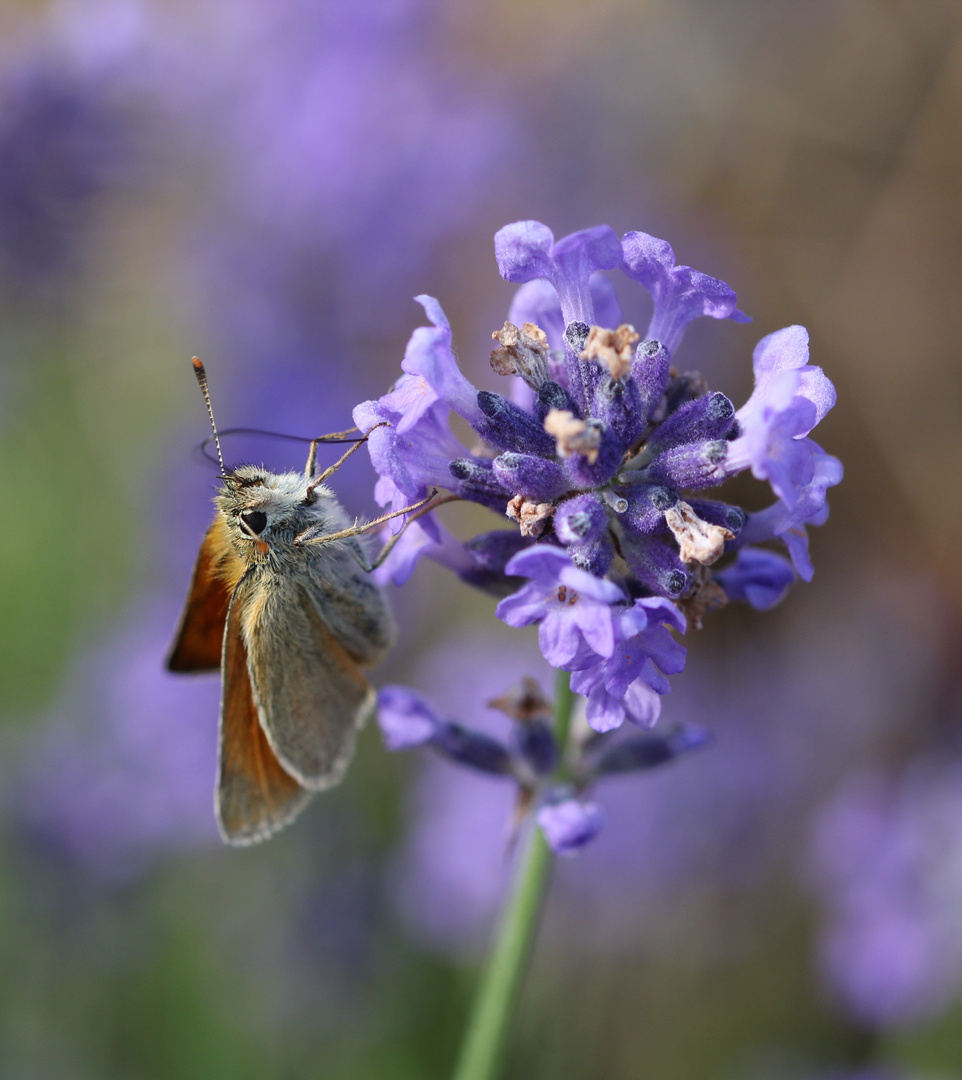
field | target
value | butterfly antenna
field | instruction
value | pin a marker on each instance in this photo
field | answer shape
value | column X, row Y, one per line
column 202, row 380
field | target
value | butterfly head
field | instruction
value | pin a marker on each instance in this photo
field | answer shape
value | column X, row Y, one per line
column 265, row 511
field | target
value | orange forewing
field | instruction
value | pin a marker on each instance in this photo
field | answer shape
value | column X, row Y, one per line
column 201, row 634
column 255, row 796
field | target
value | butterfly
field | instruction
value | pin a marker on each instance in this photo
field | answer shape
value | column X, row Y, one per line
column 281, row 600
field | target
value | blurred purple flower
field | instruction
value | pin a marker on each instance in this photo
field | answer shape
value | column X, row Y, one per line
column 887, row 865
column 759, row 577
column 356, row 125
column 125, row 766
column 343, row 144
column 71, row 103
column 569, row 823
column 870, row 1072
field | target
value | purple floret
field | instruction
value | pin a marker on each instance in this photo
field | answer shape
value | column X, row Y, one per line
column 759, row 577
column 791, row 396
column 572, row 607
column 568, row 823
column 680, row 294
column 405, row 718
column 430, row 358
column 526, row 251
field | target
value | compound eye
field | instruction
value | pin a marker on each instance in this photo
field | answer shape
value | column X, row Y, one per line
column 255, row 521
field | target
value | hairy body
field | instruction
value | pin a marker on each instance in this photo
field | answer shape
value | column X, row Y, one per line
column 291, row 621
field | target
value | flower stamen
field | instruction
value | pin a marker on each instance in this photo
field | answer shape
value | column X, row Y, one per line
column 613, row 348
column 699, row 540
column 523, row 352
column 573, row 436
column 532, row 517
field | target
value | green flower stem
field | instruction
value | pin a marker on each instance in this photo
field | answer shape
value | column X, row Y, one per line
column 494, row 1007
column 564, row 701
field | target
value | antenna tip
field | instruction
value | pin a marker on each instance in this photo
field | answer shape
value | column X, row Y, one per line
column 198, row 367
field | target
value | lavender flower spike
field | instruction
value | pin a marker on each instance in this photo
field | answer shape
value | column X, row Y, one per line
column 598, row 465
column 598, row 454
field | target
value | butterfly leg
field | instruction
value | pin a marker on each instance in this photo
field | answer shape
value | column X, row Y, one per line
column 420, row 510
column 416, row 510
column 334, row 437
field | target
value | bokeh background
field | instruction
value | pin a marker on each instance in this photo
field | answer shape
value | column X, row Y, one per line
column 268, row 185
